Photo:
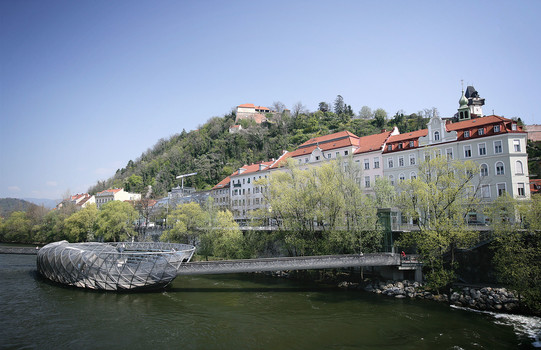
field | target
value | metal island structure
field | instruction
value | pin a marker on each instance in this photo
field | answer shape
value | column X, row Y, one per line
column 113, row 266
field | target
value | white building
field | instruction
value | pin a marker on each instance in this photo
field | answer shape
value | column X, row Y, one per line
column 497, row 144
column 116, row 194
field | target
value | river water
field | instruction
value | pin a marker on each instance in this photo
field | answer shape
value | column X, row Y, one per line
column 245, row 311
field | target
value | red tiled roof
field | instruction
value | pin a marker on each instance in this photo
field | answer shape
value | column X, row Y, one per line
column 252, row 168
column 222, row 184
column 372, row 142
column 353, row 139
column 247, row 105
column 472, row 123
column 408, row 136
column 114, row 190
column 535, row 186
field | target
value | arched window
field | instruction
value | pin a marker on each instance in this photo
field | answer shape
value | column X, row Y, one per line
column 402, row 177
column 519, row 169
column 391, row 179
column 499, row 169
column 413, row 175
column 484, row 170
column 436, row 135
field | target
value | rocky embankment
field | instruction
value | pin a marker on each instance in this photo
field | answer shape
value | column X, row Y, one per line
column 486, row 298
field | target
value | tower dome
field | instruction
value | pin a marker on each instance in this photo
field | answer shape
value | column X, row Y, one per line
column 463, row 100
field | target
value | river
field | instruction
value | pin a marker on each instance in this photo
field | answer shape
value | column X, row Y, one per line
column 245, row 311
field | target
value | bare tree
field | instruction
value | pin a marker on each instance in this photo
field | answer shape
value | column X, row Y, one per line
column 299, row 109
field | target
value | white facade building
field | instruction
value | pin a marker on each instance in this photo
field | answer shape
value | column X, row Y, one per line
column 116, row 194
column 496, row 144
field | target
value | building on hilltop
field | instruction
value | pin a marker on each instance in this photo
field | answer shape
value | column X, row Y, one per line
column 250, row 111
column 115, row 194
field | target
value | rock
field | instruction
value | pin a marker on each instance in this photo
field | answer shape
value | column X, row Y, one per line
column 455, row 296
column 498, row 306
column 399, row 296
column 369, row 288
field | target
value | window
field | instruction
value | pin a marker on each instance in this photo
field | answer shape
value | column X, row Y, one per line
column 413, row 175
column 499, row 169
column 412, row 144
column 467, row 133
column 497, row 147
column 516, row 145
column 366, row 164
column 519, row 169
column 481, row 131
column 412, row 159
column 427, row 157
column 484, row 170
column 337, row 154
column 367, row 181
column 346, row 153
column 514, row 126
column 376, row 163
column 306, row 160
column 496, row 128
column 449, row 153
column 436, row 135
column 501, row 189
column 317, row 157
column 400, row 161
column 402, row 177
column 329, row 156
column 485, row 191
column 248, row 180
column 482, row 149
column 389, row 147
column 390, row 163
column 467, row 151
column 391, row 179
column 521, row 191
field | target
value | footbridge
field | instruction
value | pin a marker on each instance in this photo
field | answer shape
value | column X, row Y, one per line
column 288, row 263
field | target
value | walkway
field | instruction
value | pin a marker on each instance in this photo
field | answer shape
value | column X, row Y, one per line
column 288, row 263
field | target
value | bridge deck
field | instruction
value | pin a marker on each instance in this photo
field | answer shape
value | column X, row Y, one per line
column 289, row 263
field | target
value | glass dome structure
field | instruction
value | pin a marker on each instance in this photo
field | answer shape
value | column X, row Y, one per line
column 113, row 266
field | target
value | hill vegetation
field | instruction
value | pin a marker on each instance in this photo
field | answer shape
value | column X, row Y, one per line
column 10, row 205
column 214, row 153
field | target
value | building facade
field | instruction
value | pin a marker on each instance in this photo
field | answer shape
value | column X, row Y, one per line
column 116, row 194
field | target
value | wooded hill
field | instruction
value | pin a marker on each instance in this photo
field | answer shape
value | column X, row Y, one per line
column 214, row 153
column 9, row 205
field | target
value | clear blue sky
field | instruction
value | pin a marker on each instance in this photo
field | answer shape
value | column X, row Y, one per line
column 85, row 86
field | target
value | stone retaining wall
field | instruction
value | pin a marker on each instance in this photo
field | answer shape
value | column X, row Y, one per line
column 486, row 298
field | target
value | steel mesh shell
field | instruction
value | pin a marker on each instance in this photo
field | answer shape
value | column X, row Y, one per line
column 112, row 266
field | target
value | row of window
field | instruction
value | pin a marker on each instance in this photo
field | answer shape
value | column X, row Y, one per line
column 501, row 189
column 329, row 156
column 467, row 133
column 243, row 202
column 481, row 151
column 240, row 192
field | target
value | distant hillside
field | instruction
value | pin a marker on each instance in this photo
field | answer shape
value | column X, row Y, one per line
column 214, row 153
column 9, row 205
column 47, row 203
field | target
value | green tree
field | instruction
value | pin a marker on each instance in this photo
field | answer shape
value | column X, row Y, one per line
column 116, row 221
column 439, row 200
column 321, row 210
column 385, row 193
column 517, row 246
column 134, row 183
column 339, row 105
column 225, row 238
column 188, row 221
column 17, row 228
column 81, row 226
column 380, row 118
column 366, row 113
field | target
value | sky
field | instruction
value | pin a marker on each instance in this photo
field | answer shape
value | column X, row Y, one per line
column 86, row 86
